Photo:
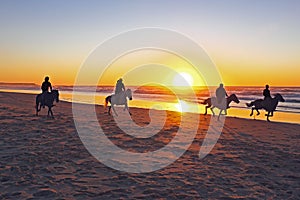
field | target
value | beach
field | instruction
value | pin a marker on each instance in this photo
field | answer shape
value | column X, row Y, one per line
column 44, row 158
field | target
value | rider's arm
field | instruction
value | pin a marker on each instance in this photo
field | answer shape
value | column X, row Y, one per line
column 225, row 93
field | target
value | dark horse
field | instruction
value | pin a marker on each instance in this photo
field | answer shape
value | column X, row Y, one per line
column 268, row 104
column 119, row 99
column 49, row 98
column 212, row 103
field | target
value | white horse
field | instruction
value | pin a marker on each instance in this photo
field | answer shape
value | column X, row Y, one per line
column 118, row 99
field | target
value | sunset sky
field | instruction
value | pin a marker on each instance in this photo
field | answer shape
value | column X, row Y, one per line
column 251, row 42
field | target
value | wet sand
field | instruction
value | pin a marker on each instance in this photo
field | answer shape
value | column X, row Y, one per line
column 44, row 158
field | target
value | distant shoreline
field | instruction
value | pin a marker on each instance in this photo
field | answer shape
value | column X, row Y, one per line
column 19, row 84
column 112, row 85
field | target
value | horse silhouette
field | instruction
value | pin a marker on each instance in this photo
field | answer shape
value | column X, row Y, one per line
column 268, row 104
column 212, row 103
column 118, row 99
column 49, row 98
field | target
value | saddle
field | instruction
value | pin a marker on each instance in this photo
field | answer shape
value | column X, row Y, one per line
column 265, row 102
column 118, row 98
column 222, row 104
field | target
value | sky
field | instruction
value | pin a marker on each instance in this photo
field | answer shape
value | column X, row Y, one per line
column 252, row 43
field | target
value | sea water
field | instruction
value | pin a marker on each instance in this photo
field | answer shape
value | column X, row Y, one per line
column 179, row 99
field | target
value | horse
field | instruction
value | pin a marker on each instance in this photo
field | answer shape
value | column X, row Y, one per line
column 118, row 99
column 268, row 104
column 49, row 98
column 212, row 103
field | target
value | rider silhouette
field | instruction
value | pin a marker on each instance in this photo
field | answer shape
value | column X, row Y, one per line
column 221, row 93
column 266, row 93
column 119, row 86
column 46, row 85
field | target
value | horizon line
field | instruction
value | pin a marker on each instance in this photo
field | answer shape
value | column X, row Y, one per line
column 110, row 85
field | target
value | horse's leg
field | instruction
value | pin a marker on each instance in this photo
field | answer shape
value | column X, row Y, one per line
column 109, row 110
column 268, row 117
column 258, row 113
column 225, row 111
column 251, row 112
column 212, row 110
column 126, row 107
column 220, row 114
column 48, row 111
column 206, row 109
column 51, row 113
column 40, row 107
column 38, row 103
column 114, row 110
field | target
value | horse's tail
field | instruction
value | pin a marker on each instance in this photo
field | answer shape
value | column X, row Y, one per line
column 250, row 104
column 106, row 102
column 206, row 101
column 37, row 102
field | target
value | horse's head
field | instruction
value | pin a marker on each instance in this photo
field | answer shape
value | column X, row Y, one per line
column 129, row 94
column 55, row 95
column 234, row 98
column 279, row 97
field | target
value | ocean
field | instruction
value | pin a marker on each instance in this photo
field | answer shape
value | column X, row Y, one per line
column 167, row 97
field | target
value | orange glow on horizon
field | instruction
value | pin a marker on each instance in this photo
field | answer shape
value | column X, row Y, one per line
column 63, row 72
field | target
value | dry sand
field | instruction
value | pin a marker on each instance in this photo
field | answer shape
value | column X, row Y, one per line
column 44, row 158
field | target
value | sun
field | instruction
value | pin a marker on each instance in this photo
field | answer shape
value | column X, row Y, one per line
column 183, row 79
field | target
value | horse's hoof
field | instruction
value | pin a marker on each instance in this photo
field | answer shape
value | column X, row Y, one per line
column 251, row 115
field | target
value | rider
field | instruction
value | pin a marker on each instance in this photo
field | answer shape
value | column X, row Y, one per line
column 46, row 85
column 119, row 86
column 266, row 93
column 221, row 93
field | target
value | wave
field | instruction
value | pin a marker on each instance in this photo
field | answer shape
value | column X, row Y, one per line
column 165, row 94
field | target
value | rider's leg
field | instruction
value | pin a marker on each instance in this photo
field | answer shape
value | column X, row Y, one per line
column 43, row 100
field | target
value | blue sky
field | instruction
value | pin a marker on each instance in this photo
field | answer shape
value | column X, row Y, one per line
column 236, row 34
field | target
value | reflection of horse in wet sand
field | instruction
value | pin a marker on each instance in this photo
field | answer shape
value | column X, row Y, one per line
column 119, row 99
column 49, row 98
column 212, row 103
column 268, row 104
